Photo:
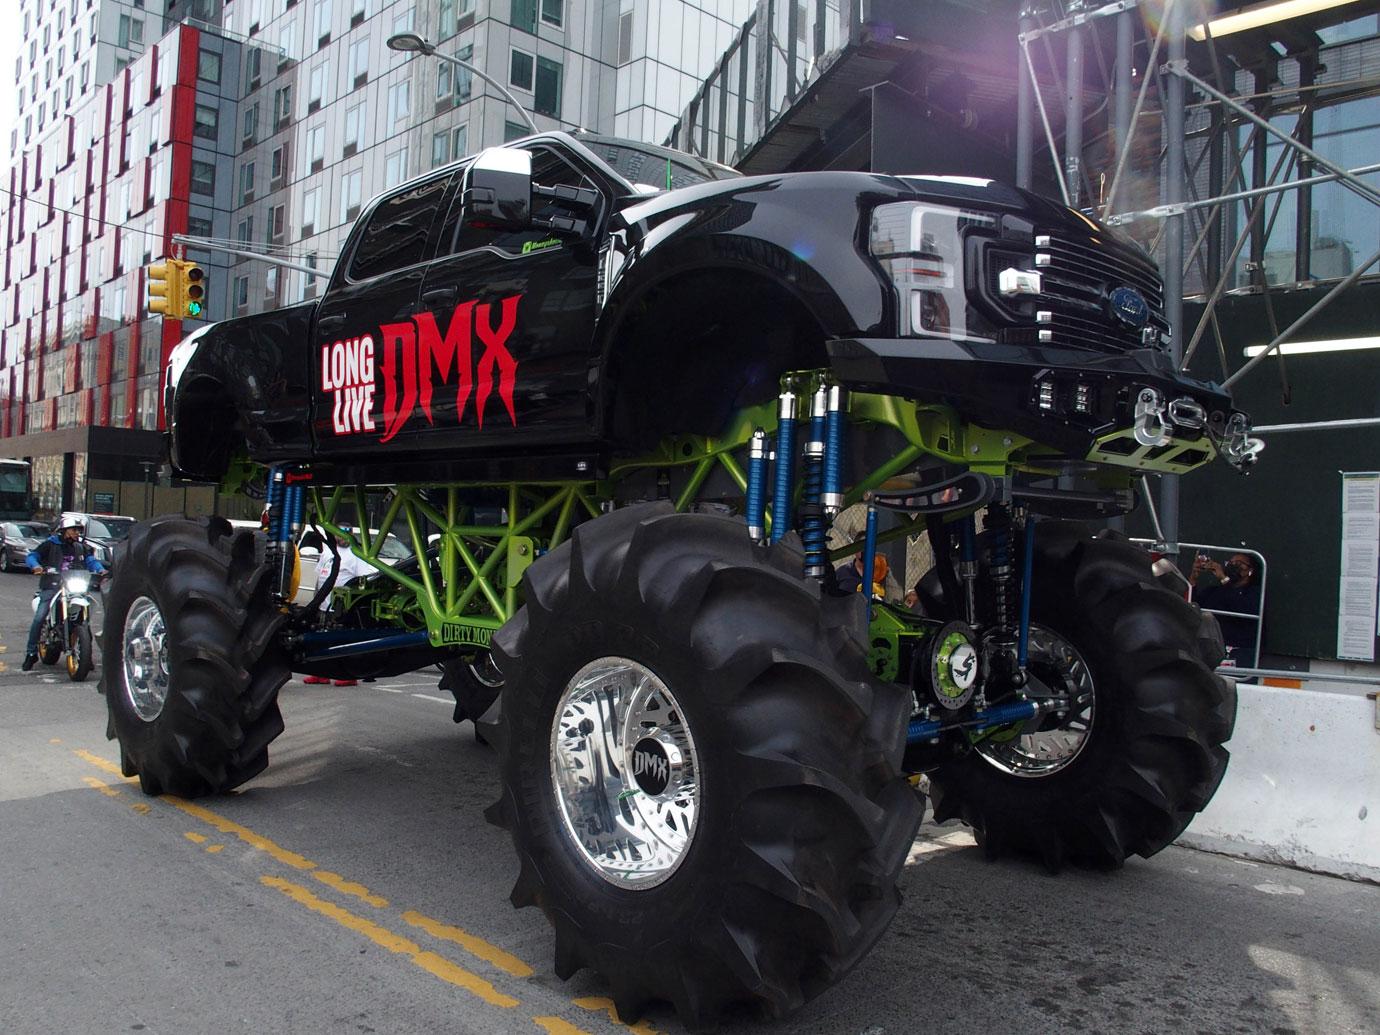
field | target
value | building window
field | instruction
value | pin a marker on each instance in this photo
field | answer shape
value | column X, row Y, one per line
column 277, row 219
column 208, row 66
column 399, row 103
column 351, row 188
column 317, row 85
column 440, row 148
column 395, row 168
column 244, row 230
column 287, row 43
column 464, row 78
column 241, row 292
column 404, row 21
column 625, row 37
column 546, row 98
column 513, row 130
column 206, row 122
column 316, row 147
column 520, row 70
column 311, row 211
column 251, row 123
column 445, row 22
column 198, row 226
column 323, row 22
column 553, row 12
column 246, row 182
column 460, row 141
column 253, row 67
column 278, row 163
column 282, row 106
column 359, row 62
column 354, row 129
column 203, row 177
column 523, row 15
column 130, row 32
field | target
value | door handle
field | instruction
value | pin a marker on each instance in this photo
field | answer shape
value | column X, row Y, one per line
column 327, row 323
column 438, row 296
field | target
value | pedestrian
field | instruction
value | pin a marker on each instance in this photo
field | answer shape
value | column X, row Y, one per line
column 61, row 551
column 1232, row 592
column 352, row 566
column 849, row 578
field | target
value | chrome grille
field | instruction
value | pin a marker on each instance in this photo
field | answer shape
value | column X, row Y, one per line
column 1078, row 275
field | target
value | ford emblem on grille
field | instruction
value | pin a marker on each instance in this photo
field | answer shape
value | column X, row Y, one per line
column 1129, row 306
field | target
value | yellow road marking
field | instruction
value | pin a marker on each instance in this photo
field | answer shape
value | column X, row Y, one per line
column 196, row 839
column 142, row 807
column 602, row 1004
column 474, row 945
column 348, row 887
column 101, row 763
column 556, row 1026
column 437, row 966
column 102, row 786
column 226, row 826
column 55, row 741
column 213, row 849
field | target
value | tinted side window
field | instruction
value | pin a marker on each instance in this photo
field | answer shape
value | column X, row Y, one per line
column 549, row 169
column 396, row 234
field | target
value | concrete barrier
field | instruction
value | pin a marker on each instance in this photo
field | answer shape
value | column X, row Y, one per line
column 1303, row 786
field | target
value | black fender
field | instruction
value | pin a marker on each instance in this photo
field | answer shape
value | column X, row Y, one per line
column 241, row 387
column 714, row 291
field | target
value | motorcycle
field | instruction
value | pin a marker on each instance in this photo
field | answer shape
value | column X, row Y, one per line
column 67, row 626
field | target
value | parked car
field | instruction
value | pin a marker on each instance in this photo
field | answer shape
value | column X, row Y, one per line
column 103, row 532
column 17, row 539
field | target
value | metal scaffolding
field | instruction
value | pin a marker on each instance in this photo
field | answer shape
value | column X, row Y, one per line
column 1207, row 107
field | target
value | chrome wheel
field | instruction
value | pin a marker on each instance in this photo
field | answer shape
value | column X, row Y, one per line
column 625, row 773
column 1056, row 671
column 145, row 656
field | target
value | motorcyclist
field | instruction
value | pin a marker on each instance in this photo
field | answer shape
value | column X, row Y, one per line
column 62, row 550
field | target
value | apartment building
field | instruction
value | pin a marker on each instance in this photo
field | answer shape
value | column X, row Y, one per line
column 266, row 125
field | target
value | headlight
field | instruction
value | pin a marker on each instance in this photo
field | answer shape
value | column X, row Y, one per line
column 921, row 248
column 78, row 583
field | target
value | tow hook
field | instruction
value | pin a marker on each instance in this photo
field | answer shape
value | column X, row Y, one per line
column 1239, row 449
column 1151, row 429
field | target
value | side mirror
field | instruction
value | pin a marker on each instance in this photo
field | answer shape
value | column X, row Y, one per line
column 497, row 192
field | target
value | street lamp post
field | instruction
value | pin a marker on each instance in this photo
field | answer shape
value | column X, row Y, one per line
column 410, row 42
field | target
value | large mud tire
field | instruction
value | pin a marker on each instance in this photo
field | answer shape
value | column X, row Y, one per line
column 224, row 663
column 804, row 818
column 1153, row 757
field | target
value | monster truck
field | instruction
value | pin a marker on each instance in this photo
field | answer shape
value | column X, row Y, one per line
column 614, row 397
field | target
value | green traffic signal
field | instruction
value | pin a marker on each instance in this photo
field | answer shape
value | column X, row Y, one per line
column 195, row 291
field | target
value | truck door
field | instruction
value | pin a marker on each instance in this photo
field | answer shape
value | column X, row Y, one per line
column 505, row 330
column 367, row 309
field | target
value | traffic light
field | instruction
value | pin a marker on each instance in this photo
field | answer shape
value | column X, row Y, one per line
column 165, row 284
column 177, row 289
column 193, row 289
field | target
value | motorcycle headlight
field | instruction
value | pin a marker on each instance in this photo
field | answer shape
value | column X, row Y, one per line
column 78, row 583
column 921, row 248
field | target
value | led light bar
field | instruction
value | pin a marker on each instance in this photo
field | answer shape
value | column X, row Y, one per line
column 1263, row 14
column 1303, row 348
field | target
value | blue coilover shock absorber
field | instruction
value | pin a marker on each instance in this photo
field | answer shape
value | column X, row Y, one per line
column 835, row 421
column 812, row 529
column 757, row 487
column 784, row 482
column 273, row 500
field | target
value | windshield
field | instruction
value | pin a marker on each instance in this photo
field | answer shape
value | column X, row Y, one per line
column 108, row 528
column 28, row 530
column 658, row 167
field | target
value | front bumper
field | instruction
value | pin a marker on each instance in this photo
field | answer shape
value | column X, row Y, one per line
column 1085, row 404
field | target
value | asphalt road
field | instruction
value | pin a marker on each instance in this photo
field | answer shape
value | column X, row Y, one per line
column 355, row 887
